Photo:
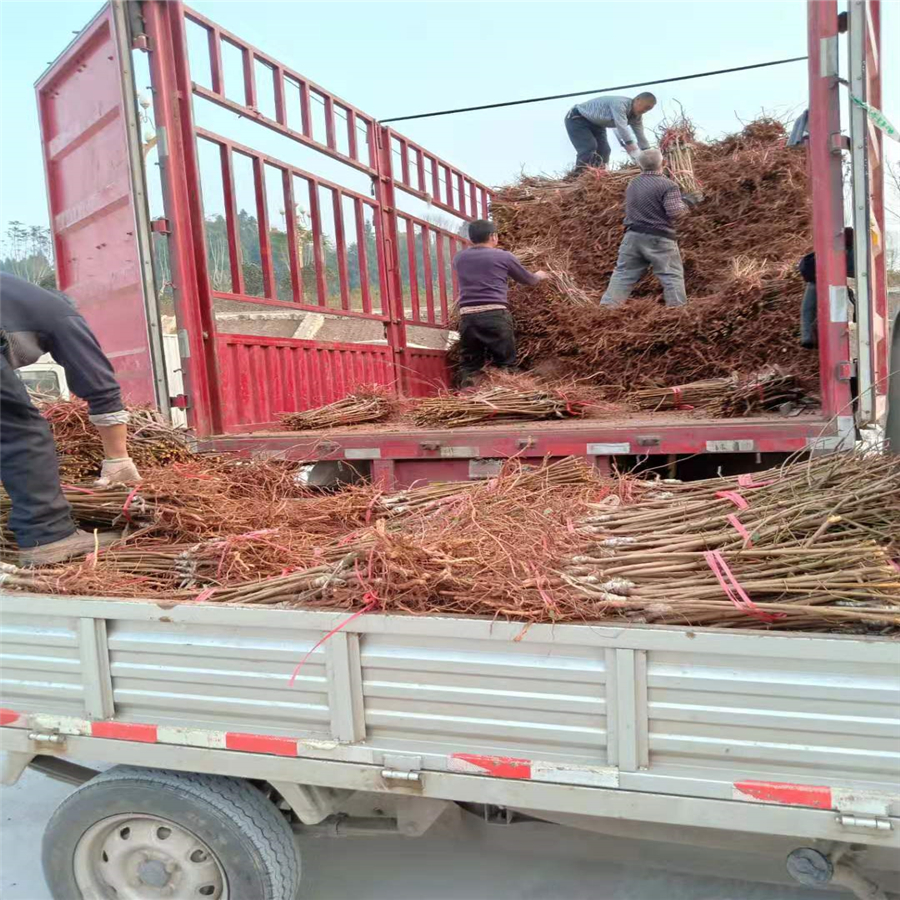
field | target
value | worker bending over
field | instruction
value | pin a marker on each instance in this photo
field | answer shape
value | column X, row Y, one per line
column 653, row 204
column 33, row 322
column 587, row 122
column 485, row 325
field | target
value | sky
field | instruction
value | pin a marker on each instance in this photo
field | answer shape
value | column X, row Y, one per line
column 398, row 58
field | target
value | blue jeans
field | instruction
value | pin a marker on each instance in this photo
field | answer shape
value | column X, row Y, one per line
column 589, row 140
column 639, row 252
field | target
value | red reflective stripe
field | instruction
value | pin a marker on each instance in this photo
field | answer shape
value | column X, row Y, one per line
column 499, row 766
column 816, row 796
column 8, row 716
column 259, row 743
column 124, row 731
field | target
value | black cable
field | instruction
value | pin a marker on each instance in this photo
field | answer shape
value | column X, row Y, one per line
column 615, row 87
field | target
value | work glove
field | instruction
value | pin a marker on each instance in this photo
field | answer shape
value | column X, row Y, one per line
column 693, row 199
column 117, row 471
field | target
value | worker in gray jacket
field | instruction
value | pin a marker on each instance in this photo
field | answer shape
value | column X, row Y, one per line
column 586, row 124
column 653, row 204
column 34, row 321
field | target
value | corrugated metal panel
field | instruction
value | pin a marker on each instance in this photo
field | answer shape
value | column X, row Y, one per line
column 40, row 666
column 752, row 714
column 192, row 674
column 465, row 696
column 92, row 214
column 263, row 377
column 428, row 371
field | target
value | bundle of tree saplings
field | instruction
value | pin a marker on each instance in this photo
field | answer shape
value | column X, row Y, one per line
column 497, row 404
column 733, row 396
column 152, row 441
column 806, row 546
column 371, row 403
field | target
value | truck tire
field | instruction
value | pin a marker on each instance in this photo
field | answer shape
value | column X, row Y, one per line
column 153, row 833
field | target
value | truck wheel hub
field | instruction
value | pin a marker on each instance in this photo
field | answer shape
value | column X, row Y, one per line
column 134, row 857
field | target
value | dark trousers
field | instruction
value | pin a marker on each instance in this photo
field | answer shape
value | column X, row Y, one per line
column 809, row 317
column 29, row 468
column 589, row 141
column 485, row 337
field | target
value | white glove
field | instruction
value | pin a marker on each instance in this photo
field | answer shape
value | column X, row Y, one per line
column 117, row 471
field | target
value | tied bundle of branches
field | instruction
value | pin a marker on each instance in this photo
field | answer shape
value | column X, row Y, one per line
column 710, row 393
column 152, row 441
column 729, row 397
column 539, row 257
column 676, row 144
column 766, row 390
column 806, row 546
column 497, row 404
column 371, row 403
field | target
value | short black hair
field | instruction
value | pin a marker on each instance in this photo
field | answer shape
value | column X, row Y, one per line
column 480, row 230
column 647, row 96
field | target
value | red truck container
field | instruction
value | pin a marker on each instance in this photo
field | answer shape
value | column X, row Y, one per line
column 287, row 287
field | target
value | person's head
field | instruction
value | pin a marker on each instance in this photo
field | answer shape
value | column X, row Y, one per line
column 481, row 231
column 643, row 103
column 650, row 160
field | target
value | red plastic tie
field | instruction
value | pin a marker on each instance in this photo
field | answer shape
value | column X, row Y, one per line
column 746, row 481
column 77, row 490
column 677, row 395
column 371, row 602
column 739, row 501
column 204, row 595
column 733, row 590
column 127, row 504
column 736, row 523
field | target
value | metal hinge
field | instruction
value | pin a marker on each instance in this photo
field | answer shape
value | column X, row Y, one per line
column 181, row 401
column 47, row 737
column 863, row 824
column 160, row 226
column 397, row 775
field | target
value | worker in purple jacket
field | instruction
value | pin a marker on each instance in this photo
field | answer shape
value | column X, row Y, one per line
column 486, row 332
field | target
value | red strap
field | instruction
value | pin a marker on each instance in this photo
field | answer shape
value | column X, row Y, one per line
column 746, row 481
column 204, row 595
column 77, row 490
column 677, row 395
column 739, row 527
column 371, row 602
column 735, row 593
column 734, row 497
column 127, row 503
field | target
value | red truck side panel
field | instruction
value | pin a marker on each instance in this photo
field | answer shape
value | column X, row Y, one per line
column 92, row 216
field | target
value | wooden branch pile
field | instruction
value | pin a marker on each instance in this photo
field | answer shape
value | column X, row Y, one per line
column 738, row 318
column 372, row 403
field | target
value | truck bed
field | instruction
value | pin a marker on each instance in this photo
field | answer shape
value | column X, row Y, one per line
column 807, row 723
column 621, row 434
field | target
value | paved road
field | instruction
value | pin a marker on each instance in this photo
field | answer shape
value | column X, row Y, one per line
column 459, row 861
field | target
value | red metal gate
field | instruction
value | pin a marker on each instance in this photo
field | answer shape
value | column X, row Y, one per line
column 93, row 189
column 320, row 286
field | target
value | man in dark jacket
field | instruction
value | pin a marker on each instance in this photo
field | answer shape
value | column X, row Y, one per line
column 485, row 324
column 33, row 322
column 653, row 205
column 809, row 310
